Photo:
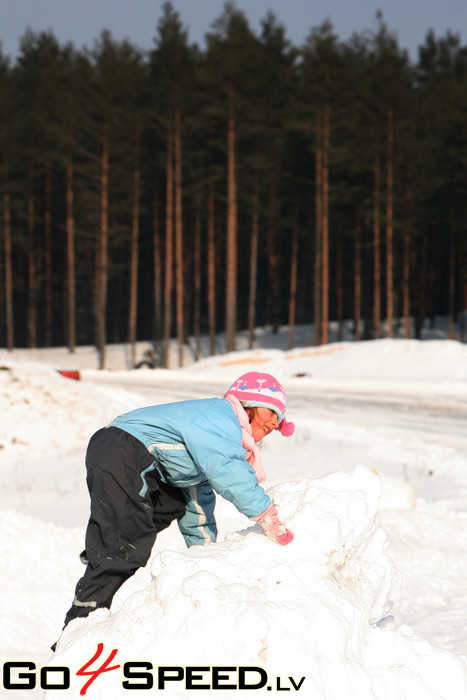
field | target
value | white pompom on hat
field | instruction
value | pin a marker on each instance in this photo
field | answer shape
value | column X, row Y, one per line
column 261, row 389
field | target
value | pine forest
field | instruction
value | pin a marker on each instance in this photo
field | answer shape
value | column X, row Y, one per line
column 179, row 192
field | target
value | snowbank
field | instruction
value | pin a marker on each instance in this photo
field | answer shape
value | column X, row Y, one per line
column 379, row 360
column 306, row 615
column 32, row 394
column 307, row 611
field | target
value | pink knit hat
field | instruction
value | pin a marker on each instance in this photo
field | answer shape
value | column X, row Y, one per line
column 260, row 389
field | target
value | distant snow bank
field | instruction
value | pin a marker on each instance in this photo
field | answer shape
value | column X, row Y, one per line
column 119, row 356
column 308, row 610
column 381, row 360
column 385, row 359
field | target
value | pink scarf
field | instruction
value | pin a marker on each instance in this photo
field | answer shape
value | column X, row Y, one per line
column 253, row 456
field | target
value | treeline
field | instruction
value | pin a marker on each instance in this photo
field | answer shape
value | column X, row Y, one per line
column 182, row 191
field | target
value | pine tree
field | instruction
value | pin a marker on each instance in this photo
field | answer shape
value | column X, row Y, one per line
column 7, row 146
column 171, row 67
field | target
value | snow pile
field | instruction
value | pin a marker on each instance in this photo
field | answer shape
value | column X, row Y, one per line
column 382, row 360
column 40, row 568
column 32, row 393
column 392, row 532
column 309, row 610
column 403, row 361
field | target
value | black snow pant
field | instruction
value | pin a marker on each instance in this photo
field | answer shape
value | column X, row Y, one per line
column 128, row 509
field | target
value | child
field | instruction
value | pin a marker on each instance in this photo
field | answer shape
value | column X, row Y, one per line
column 157, row 464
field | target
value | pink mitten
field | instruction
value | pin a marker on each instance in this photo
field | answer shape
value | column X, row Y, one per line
column 272, row 526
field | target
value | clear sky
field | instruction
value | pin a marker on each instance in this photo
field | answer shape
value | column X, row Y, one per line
column 81, row 21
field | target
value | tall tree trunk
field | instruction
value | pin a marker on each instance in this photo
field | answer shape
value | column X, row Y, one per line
column 422, row 288
column 432, row 282
column 157, row 288
column 376, row 249
column 463, row 281
column 339, row 292
column 197, row 279
column 318, row 229
column 48, row 257
column 357, row 278
column 325, row 245
column 406, row 285
column 253, row 266
column 2, row 271
column 134, row 255
column 390, row 226
column 272, row 246
column 231, row 253
column 32, row 271
column 70, row 247
column 211, row 263
column 452, row 283
column 8, row 272
column 293, row 283
column 406, row 263
column 102, row 257
column 168, row 248
column 179, row 234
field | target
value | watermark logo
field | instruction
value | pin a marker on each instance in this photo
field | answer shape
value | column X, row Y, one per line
column 141, row 675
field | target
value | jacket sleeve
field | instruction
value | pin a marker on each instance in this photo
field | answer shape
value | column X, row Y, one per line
column 214, row 441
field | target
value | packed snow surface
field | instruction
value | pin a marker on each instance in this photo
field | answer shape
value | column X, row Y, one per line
column 369, row 599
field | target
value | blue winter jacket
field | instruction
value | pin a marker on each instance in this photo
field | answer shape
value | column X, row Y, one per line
column 197, row 446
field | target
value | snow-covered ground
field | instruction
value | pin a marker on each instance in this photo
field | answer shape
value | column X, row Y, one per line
column 373, row 483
